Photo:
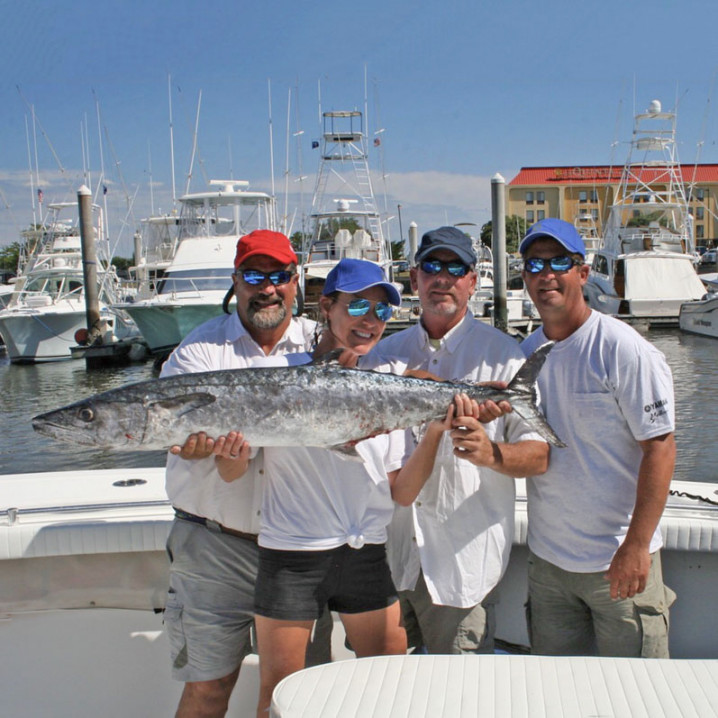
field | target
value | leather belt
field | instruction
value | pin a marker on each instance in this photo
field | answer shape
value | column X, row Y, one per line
column 214, row 525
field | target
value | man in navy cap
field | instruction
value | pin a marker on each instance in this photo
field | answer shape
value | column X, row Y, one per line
column 450, row 539
column 595, row 583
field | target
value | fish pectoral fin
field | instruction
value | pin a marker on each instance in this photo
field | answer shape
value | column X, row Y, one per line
column 331, row 357
column 181, row 405
column 348, row 451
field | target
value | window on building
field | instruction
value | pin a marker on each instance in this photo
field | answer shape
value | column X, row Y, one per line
column 583, row 196
column 530, row 216
column 594, row 195
column 700, row 212
column 700, row 194
column 540, row 214
column 594, row 215
column 529, row 198
column 540, row 198
column 699, row 231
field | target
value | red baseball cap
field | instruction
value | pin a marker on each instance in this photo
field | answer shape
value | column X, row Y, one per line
column 265, row 242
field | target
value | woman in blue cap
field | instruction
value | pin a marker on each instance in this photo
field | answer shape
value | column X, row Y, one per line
column 324, row 515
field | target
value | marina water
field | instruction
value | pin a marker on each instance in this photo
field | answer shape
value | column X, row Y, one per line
column 30, row 390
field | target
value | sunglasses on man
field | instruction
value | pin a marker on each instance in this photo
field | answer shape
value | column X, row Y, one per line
column 562, row 263
column 453, row 267
column 254, row 277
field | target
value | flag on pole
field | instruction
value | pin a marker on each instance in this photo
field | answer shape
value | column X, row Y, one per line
column 104, row 189
column 40, row 195
column 377, row 142
column 315, row 144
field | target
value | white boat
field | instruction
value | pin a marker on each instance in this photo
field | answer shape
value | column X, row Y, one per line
column 645, row 265
column 48, row 307
column 585, row 225
column 700, row 316
column 83, row 575
column 194, row 283
column 344, row 216
column 155, row 245
column 520, row 310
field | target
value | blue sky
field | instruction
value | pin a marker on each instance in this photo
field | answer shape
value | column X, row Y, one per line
column 463, row 90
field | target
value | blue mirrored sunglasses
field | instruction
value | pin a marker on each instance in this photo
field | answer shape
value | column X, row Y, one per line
column 562, row 263
column 434, row 266
column 255, row 277
column 360, row 307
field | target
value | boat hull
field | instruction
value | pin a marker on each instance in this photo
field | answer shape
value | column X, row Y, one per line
column 164, row 325
column 642, row 285
column 700, row 317
column 84, row 576
column 33, row 337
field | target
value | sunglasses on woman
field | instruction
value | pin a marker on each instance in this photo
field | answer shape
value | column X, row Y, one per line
column 453, row 267
column 562, row 263
column 255, row 277
column 360, row 307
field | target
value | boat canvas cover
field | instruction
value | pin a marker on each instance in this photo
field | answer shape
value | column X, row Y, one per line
column 658, row 285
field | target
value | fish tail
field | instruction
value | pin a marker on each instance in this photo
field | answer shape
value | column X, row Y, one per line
column 524, row 398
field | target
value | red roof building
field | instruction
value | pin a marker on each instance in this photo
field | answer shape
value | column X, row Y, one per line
column 572, row 192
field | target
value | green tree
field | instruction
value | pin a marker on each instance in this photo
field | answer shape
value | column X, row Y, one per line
column 9, row 256
column 122, row 265
column 397, row 250
column 516, row 228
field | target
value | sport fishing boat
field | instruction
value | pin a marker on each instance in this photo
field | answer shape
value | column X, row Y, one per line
column 344, row 216
column 194, row 282
column 84, row 572
column 645, row 265
column 47, row 307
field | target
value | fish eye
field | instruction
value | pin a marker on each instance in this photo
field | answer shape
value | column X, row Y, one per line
column 86, row 414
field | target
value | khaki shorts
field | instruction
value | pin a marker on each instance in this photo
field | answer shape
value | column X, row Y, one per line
column 209, row 613
column 436, row 629
column 573, row 614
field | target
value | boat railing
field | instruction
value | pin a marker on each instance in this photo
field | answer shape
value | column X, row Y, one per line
column 13, row 513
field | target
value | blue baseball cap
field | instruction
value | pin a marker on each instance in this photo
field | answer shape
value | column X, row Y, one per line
column 356, row 275
column 563, row 232
column 449, row 238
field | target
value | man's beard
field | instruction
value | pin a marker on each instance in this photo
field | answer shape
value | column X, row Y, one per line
column 443, row 309
column 268, row 316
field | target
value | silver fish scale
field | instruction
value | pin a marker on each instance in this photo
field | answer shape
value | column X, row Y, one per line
column 301, row 406
column 324, row 406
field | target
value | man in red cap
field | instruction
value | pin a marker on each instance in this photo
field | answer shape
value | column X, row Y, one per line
column 213, row 542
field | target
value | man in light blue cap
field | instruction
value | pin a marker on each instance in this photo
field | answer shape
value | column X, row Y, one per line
column 595, row 582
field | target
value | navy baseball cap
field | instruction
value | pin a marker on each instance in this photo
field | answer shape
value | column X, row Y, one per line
column 449, row 238
column 563, row 232
column 356, row 275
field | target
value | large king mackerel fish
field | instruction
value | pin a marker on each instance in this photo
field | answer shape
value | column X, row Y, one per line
column 319, row 404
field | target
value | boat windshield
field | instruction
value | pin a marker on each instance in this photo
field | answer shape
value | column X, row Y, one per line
column 53, row 286
column 196, row 280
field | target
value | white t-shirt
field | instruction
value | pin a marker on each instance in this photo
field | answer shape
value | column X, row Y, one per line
column 460, row 529
column 195, row 486
column 603, row 390
column 318, row 499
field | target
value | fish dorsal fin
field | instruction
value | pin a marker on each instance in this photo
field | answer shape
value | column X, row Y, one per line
column 331, row 357
column 526, row 376
column 181, row 405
